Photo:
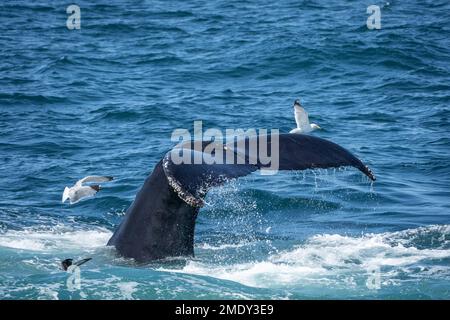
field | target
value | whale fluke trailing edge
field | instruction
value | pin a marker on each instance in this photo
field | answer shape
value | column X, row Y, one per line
column 160, row 222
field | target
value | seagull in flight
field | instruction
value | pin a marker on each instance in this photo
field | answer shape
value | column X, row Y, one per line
column 302, row 120
column 79, row 191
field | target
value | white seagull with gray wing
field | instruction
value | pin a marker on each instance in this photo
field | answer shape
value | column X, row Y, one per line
column 302, row 120
column 79, row 191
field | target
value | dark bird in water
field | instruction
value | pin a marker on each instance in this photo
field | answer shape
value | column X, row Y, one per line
column 65, row 264
column 160, row 222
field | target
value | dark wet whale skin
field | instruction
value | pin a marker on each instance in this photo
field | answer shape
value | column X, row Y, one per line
column 158, row 224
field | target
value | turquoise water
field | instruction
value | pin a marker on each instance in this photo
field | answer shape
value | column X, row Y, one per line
column 104, row 100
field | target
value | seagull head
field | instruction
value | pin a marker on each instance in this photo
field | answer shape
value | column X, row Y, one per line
column 96, row 187
column 297, row 103
column 66, row 264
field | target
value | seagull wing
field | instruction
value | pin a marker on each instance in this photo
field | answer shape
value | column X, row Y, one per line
column 95, row 179
column 82, row 192
column 301, row 118
column 83, row 261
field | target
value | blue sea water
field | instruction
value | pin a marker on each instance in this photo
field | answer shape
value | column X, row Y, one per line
column 105, row 99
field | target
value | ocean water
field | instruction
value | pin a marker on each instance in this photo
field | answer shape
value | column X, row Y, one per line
column 105, row 99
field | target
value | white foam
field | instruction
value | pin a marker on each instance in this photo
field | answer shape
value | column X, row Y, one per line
column 49, row 291
column 336, row 259
column 127, row 289
column 207, row 246
column 54, row 239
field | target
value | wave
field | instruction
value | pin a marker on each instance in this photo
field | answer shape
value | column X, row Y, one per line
column 334, row 260
column 55, row 238
column 341, row 262
column 24, row 98
column 207, row 246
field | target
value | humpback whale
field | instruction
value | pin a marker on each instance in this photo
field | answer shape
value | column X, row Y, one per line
column 160, row 222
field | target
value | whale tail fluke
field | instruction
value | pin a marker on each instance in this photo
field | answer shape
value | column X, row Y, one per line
column 160, row 222
column 293, row 152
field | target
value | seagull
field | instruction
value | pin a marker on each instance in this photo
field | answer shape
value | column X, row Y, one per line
column 302, row 120
column 78, row 191
column 65, row 264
